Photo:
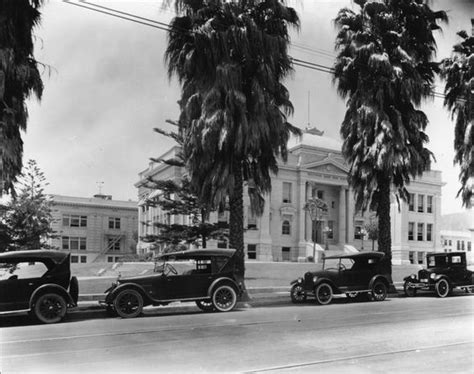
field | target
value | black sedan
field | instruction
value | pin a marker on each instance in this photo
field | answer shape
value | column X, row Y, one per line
column 205, row 276
column 355, row 275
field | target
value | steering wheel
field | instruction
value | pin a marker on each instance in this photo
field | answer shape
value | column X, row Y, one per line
column 170, row 268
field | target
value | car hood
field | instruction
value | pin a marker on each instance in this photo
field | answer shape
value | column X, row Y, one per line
column 140, row 279
column 322, row 273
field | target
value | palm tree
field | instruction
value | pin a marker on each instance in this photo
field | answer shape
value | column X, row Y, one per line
column 231, row 57
column 19, row 79
column 384, row 70
column 458, row 72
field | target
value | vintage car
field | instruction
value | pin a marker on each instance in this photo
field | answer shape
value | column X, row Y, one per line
column 444, row 272
column 38, row 282
column 206, row 276
column 356, row 275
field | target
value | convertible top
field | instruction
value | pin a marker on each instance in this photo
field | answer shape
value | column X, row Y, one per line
column 360, row 255
column 198, row 253
column 38, row 254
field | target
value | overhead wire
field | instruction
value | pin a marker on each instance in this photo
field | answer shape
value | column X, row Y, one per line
column 167, row 27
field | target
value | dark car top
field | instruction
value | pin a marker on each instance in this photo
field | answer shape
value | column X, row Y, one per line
column 49, row 257
column 198, row 253
column 362, row 255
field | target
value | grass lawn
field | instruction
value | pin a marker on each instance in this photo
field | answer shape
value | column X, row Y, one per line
column 258, row 274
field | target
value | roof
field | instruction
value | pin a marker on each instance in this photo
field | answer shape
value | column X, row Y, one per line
column 200, row 253
column 93, row 202
column 56, row 256
column 316, row 141
column 364, row 255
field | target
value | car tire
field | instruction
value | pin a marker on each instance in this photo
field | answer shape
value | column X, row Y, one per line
column 205, row 305
column 379, row 291
column 128, row 303
column 297, row 294
column 224, row 298
column 409, row 291
column 442, row 288
column 49, row 308
column 323, row 293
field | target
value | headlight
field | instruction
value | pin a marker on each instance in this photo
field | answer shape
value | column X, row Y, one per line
column 432, row 275
column 300, row 280
column 413, row 276
column 315, row 279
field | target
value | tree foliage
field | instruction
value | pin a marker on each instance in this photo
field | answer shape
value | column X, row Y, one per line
column 458, row 73
column 28, row 216
column 230, row 58
column 19, row 79
column 384, row 69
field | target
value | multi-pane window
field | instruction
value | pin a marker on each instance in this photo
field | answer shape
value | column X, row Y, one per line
column 74, row 259
column 429, row 204
column 458, row 245
column 71, row 220
column 74, row 243
column 113, row 244
column 114, row 223
column 429, row 232
column 411, row 257
column 421, row 203
column 411, row 230
column 286, row 228
column 252, row 251
column 420, row 257
column 411, row 202
column 469, row 246
column 83, row 259
column 420, row 231
column 286, row 192
column 251, row 220
column 462, row 245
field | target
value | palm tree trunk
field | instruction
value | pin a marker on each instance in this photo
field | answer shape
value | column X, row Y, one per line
column 383, row 214
column 236, row 219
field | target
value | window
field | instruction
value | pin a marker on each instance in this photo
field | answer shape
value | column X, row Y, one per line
column 462, row 245
column 411, row 257
column 113, row 244
column 469, row 246
column 252, row 251
column 358, row 225
column 450, row 242
column 110, row 259
column 74, row 243
column 411, row 231
column 330, row 233
column 420, row 258
column 222, row 243
column 445, row 242
column 429, row 204
column 420, row 231
column 22, row 270
column 411, row 202
column 83, row 259
column 285, row 253
column 74, row 259
column 421, row 203
column 286, row 192
column 320, row 194
column 70, row 220
column 251, row 220
column 456, row 260
column 114, row 223
column 429, row 232
column 286, row 228
column 458, row 245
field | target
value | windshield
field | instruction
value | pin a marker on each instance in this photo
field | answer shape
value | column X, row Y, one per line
column 436, row 261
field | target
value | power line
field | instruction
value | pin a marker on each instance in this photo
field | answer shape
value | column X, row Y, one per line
column 167, row 27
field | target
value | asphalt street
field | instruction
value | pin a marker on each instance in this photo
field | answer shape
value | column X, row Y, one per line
column 399, row 335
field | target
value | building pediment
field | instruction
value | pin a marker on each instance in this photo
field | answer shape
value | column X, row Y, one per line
column 327, row 166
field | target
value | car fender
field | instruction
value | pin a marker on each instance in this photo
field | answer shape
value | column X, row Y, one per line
column 113, row 293
column 226, row 281
column 328, row 281
column 45, row 288
column 379, row 277
column 410, row 279
column 441, row 276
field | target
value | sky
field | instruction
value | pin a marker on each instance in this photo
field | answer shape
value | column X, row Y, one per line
column 107, row 88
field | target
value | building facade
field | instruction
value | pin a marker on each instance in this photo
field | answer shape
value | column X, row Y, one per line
column 457, row 232
column 94, row 229
column 286, row 232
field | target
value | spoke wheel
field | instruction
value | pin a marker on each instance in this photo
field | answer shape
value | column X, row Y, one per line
column 205, row 305
column 128, row 304
column 442, row 288
column 224, row 298
column 409, row 291
column 50, row 308
column 323, row 294
column 297, row 293
column 379, row 291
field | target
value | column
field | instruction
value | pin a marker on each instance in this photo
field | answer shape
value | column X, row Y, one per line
column 264, row 252
column 301, row 217
column 350, row 216
column 342, row 217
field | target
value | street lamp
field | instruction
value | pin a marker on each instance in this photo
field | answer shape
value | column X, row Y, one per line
column 314, row 206
column 327, row 230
